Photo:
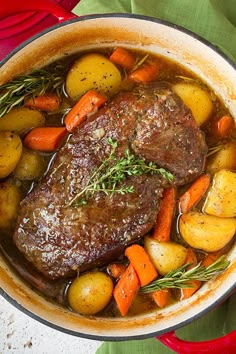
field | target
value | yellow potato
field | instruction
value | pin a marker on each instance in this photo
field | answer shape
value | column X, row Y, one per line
column 10, row 152
column 166, row 256
column 21, row 120
column 206, row 232
column 221, row 198
column 9, row 201
column 31, row 165
column 92, row 71
column 225, row 158
column 90, row 293
column 195, row 98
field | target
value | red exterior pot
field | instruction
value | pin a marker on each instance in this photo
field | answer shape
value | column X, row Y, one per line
column 136, row 32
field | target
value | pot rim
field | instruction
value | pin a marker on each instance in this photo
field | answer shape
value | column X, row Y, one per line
column 122, row 15
column 220, row 299
column 115, row 338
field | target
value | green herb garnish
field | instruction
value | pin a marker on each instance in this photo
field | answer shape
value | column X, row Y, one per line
column 25, row 87
column 108, row 177
column 181, row 277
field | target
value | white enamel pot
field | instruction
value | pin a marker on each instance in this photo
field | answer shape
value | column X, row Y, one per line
column 96, row 31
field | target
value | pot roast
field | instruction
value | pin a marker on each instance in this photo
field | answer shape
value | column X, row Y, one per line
column 60, row 237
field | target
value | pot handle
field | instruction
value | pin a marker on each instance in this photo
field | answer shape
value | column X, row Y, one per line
column 15, row 6
column 225, row 344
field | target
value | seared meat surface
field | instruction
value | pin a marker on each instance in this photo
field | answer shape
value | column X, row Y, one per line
column 59, row 237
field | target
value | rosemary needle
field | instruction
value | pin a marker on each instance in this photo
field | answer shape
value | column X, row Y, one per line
column 24, row 87
column 181, row 277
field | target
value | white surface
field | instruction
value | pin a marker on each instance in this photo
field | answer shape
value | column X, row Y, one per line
column 21, row 334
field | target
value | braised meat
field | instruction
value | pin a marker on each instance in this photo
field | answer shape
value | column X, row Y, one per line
column 60, row 237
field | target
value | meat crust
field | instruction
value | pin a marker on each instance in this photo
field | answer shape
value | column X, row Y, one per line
column 59, row 238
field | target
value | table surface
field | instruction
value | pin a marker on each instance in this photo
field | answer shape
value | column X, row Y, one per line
column 20, row 334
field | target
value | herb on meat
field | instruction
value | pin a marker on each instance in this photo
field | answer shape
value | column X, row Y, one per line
column 107, row 178
column 181, row 277
column 214, row 149
column 25, row 87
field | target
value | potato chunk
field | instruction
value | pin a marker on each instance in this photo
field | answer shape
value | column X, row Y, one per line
column 10, row 152
column 206, row 232
column 31, row 165
column 166, row 256
column 195, row 98
column 92, row 71
column 90, row 293
column 21, row 120
column 221, row 198
column 9, row 200
column 225, row 158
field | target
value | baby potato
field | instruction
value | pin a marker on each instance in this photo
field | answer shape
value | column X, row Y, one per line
column 31, row 165
column 206, row 232
column 166, row 256
column 10, row 152
column 221, row 198
column 92, row 71
column 9, row 201
column 225, row 158
column 90, row 293
column 195, row 98
column 21, row 120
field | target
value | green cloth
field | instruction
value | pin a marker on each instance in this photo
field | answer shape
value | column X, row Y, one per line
column 214, row 20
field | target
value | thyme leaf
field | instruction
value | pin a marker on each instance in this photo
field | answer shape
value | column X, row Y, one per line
column 108, row 177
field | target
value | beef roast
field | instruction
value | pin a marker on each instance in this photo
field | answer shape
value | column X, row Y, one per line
column 59, row 237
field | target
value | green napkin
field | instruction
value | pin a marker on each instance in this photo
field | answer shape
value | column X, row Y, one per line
column 214, row 20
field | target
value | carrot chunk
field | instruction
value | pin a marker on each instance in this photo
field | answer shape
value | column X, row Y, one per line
column 146, row 73
column 211, row 258
column 88, row 104
column 195, row 284
column 115, row 270
column 44, row 138
column 194, row 193
column 162, row 297
column 126, row 289
column 162, row 228
column 223, row 126
column 48, row 102
column 142, row 264
column 123, row 57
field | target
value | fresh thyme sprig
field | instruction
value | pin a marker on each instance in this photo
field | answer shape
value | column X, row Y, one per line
column 108, row 177
column 214, row 149
column 181, row 277
column 24, row 87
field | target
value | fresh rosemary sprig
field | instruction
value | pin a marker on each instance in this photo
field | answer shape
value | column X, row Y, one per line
column 24, row 87
column 108, row 177
column 181, row 277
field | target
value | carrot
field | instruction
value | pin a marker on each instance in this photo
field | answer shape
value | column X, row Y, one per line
column 142, row 264
column 126, row 289
column 115, row 270
column 161, row 297
column 44, row 138
column 88, row 103
column 164, row 218
column 211, row 258
column 48, row 102
column 194, row 193
column 123, row 57
column 146, row 73
column 223, row 126
column 195, row 284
